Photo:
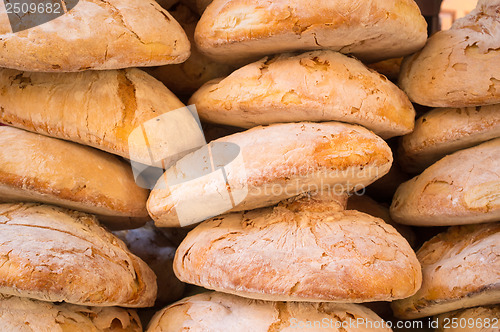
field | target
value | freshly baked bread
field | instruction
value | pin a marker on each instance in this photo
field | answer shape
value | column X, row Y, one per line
column 314, row 86
column 95, row 34
column 461, row 269
column 98, row 108
column 459, row 67
column 366, row 204
column 462, row 188
column 54, row 254
column 185, row 78
column 26, row 315
column 265, row 165
column 445, row 130
column 215, row 312
column 300, row 250
column 479, row 319
column 239, row 31
column 38, row 168
column 154, row 248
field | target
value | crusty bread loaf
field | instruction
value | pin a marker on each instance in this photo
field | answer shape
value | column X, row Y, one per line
column 462, row 188
column 185, row 78
column 366, row 204
column 96, row 108
column 445, row 130
column 479, row 319
column 26, row 315
column 154, row 248
column 95, row 34
column 54, row 254
column 240, row 31
column 300, row 250
column 38, row 168
column 313, row 86
column 459, row 67
column 461, row 269
column 215, row 312
column 273, row 163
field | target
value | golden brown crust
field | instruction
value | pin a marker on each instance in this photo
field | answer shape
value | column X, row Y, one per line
column 328, row 156
column 96, row 34
column 461, row 269
column 369, row 206
column 442, row 131
column 26, row 315
column 462, row 188
column 300, row 251
column 459, row 67
column 479, row 319
column 214, row 312
column 54, row 254
column 185, row 78
column 239, row 30
column 44, row 169
column 96, row 108
column 315, row 86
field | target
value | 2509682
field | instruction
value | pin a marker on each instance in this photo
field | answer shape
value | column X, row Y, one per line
column 34, row 8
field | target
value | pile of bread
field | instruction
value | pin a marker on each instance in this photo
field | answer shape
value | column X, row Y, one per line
column 284, row 239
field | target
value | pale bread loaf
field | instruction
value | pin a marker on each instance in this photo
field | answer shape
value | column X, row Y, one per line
column 215, row 312
column 459, row 67
column 26, row 315
column 53, row 254
column 301, row 250
column 277, row 162
column 96, row 108
column 315, row 86
column 242, row 31
column 442, row 131
column 461, row 269
column 37, row 168
column 95, row 34
column 461, row 188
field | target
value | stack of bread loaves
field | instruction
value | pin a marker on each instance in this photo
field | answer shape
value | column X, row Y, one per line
column 457, row 146
column 61, row 166
column 275, row 239
column 276, row 242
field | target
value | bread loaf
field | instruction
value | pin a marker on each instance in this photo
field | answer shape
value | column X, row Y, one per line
column 301, row 250
column 461, row 269
column 315, row 86
column 462, row 188
column 103, row 109
column 26, row 315
column 38, row 168
column 479, row 319
column 243, row 31
column 265, row 165
column 95, row 34
column 459, row 67
column 53, row 254
column 215, row 312
column 445, row 130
